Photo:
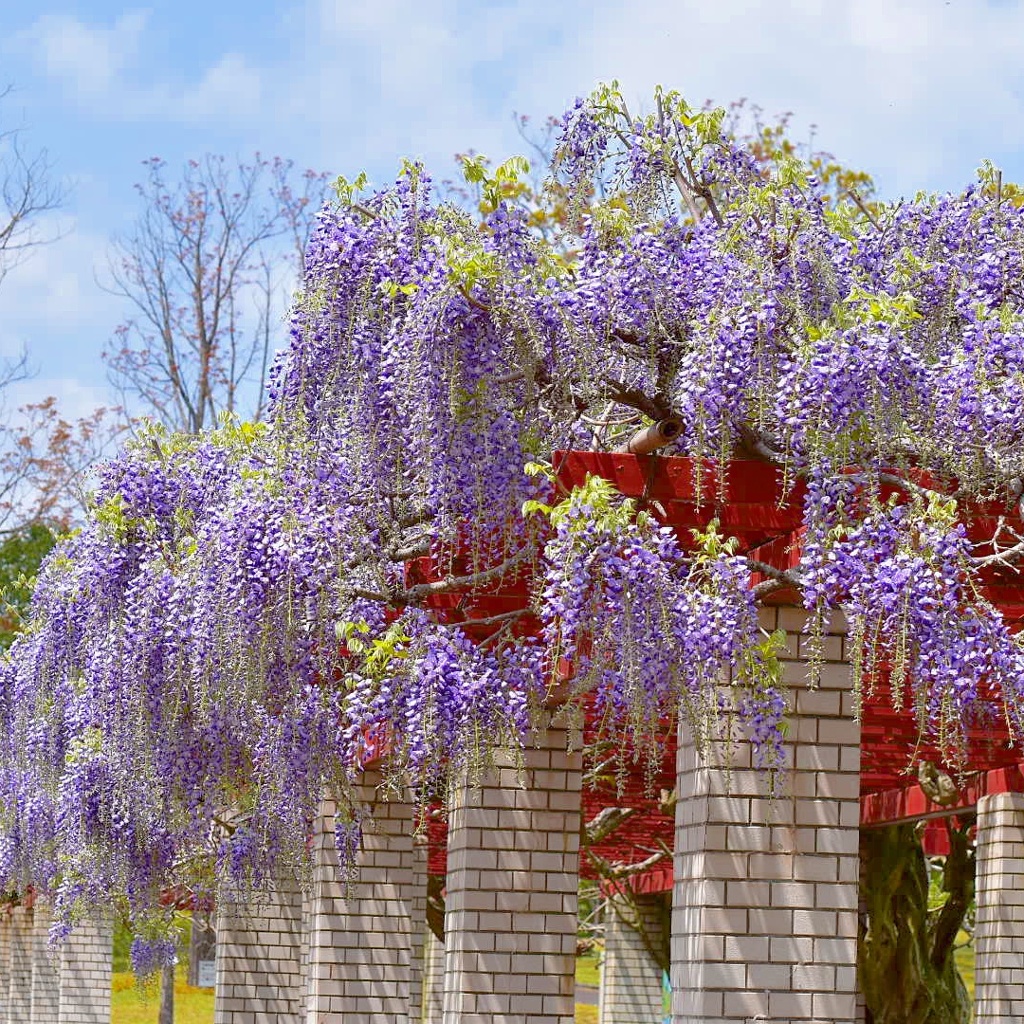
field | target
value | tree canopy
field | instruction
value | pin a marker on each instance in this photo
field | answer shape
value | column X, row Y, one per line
column 238, row 616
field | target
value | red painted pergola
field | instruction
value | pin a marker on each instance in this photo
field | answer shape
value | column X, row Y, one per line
column 751, row 505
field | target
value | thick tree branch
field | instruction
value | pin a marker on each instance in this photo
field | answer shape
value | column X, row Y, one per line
column 656, row 408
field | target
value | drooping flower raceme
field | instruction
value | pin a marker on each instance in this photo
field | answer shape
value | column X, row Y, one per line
column 387, row 564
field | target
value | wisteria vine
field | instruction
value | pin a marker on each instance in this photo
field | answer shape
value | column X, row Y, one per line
column 246, row 613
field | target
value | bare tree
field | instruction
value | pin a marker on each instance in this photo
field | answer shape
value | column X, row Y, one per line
column 27, row 191
column 46, row 459
column 204, row 272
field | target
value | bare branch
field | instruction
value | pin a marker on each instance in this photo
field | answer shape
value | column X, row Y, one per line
column 852, row 193
column 27, row 192
column 656, row 408
column 605, row 822
column 451, row 584
column 204, row 273
column 617, row 872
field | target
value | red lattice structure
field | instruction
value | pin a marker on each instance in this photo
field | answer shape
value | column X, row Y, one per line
column 751, row 504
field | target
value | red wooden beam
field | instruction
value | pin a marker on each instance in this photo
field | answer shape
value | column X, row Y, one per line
column 910, row 803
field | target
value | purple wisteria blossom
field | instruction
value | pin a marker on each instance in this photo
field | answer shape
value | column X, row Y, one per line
column 241, row 617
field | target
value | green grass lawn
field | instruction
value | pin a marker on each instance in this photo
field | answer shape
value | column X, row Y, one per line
column 587, row 971
column 132, row 1005
column 586, row 974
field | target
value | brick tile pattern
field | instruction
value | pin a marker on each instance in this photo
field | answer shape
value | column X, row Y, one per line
column 418, row 926
column 862, row 1006
column 765, row 897
column 5, row 960
column 433, row 979
column 86, row 963
column 361, row 943
column 511, row 907
column 999, row 928
column 19, row 971
column 630, row 991
column 259, row 979
column 305, row 933
column 45, row 971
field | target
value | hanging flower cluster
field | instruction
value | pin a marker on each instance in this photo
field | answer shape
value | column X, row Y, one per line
column 648, row 629
column 237, row 626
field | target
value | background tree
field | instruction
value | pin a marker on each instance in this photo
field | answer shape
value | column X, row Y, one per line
column 205, row 272
column 45, row 466
column 28, row 192
column 44, row 458
column 21, row 554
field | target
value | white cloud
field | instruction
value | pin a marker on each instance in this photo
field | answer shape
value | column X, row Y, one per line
column 88, row 59
column 76, row 398
column 103, row 70
column 229, row 89
column 913, row 90
column 419, row 79
column 905, row 87
column 50, row 304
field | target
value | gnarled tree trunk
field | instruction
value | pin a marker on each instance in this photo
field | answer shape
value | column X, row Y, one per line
column 905, row 952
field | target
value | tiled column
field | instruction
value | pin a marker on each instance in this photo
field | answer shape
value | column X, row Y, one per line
column 630, row 990
column 433, row 979
column 861, row 1014
column 999, row 926
column 361, row 942
column 305, row 935
column 19, row 975
column 258, row 973
column 86, row 964
column 5, row 958
column 513, row 867
column 765, row 907
column 419, row 931
column 45, row 971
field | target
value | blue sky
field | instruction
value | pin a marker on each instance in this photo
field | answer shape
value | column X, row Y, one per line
column 916, row 91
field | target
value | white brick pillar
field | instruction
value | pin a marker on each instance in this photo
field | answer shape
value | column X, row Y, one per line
column 862, row 1006
column 765, row 901
column 45, row 971
column 630, row 991
column 433, row 979
column 19, row 972
column 361, row 942
column 259, row 979
column 5, row 958
column 513, row 870
column 86, row 963
column 419, row 929
column 999, row 926
column 305, row 930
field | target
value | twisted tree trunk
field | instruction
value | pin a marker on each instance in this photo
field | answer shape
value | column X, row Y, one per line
column 905, row 952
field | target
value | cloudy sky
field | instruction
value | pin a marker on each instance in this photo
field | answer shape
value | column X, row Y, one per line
column 916, row 91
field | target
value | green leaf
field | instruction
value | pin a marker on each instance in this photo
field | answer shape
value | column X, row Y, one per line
column 346, row 190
